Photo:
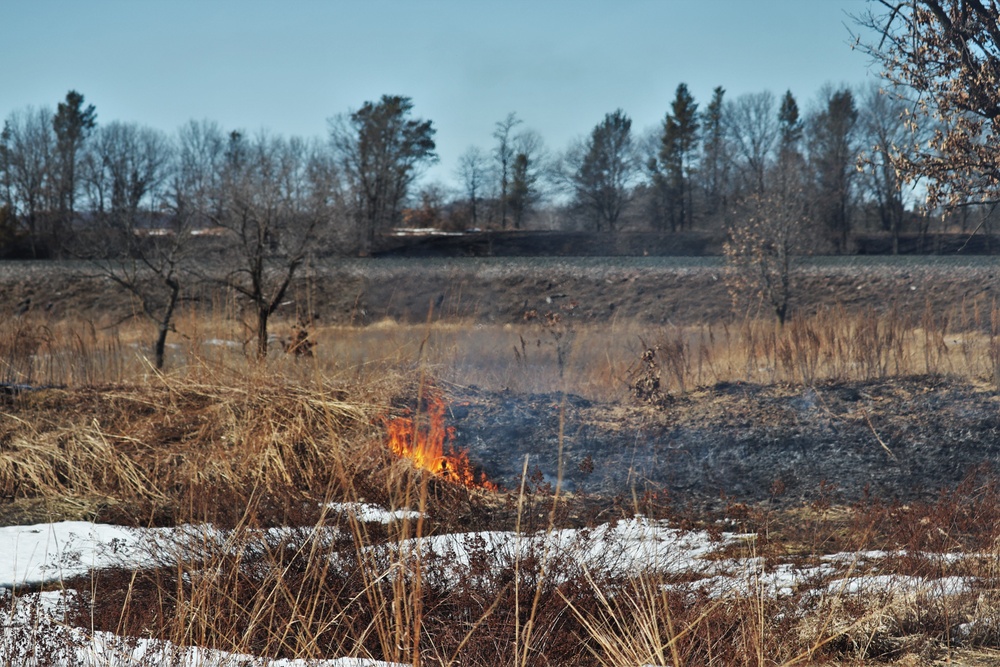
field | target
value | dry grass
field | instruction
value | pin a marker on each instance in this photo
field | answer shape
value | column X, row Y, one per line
column 543, row 355
column 164, row 451
column 256, row 450
column 242, row 446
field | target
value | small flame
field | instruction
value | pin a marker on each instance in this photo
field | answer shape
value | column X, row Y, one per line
column 428, row 442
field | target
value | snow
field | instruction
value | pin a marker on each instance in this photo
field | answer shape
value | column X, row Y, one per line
column 368, row 513
column 33, row 639
column 625, row 547
column 221, row 342
column 898, row 584
column 31, row 556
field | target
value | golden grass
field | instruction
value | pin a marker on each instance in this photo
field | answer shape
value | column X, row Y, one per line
column 595, row 361
column 221, row 438
column 168, row 448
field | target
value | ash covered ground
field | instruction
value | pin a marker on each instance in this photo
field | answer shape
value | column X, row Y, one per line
column 895, row 440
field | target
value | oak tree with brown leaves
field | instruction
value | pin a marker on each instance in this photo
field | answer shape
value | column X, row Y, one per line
column 768, row 230
column 948, row 52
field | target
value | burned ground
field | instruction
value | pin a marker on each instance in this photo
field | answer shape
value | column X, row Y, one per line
column 894, row 439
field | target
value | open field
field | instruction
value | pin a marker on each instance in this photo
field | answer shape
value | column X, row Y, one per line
column 746, row 494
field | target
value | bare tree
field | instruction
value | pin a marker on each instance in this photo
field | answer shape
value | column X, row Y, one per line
column 135, row 239
column 197, row 185
column 473, row 171
column 752, row 128
column 28, row 148
column 767, row 231
column 884, row 133
column 274, row 205
column 948, row 52
column 129, row 163
column 504, row 154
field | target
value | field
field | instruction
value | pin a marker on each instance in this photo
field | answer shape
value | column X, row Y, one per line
column 511, row 462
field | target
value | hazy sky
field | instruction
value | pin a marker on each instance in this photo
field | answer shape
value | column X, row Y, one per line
column 289, row 66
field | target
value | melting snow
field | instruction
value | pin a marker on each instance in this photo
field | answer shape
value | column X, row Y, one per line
column 34, row 634
column 366, row 512
column 31, row 555
column 45, row 553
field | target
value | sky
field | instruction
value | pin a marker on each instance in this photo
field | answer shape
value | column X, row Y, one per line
column 287, row 67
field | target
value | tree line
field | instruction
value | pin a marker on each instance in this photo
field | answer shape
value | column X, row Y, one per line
column 63, row 174
column 774, row 179
column 138, row 204
column 832, row 163
column 933, row 127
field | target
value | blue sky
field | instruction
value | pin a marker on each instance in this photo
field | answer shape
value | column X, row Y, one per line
column 289, row 66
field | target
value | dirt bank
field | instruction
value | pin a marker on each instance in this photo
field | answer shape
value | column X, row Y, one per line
column 591, row 290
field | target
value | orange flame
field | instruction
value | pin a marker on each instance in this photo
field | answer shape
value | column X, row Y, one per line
column 425, row 442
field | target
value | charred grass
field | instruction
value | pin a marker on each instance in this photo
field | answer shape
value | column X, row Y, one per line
column 253, row 458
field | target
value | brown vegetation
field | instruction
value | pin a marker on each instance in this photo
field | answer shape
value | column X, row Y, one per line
column 227, row 442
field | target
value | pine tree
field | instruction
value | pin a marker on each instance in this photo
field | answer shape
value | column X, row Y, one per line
column 677, row 150
column 713, row 161
column 381, row 150
column 833, row 153
column 790, row 167
column 604, row 169
column 72, row 123
column 790, row 125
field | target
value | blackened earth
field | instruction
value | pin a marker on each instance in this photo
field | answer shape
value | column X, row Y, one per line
column 893, row 440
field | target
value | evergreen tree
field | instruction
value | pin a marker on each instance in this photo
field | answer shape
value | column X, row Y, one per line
column 677, row 150
column 523, row 190
column 790, row 167
column 381, row 150
column 833, row 153
column 790, row 126
column 714, row 159
column 72, row 123
column 603, row 169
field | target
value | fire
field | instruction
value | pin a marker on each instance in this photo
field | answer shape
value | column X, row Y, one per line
column 428, row 443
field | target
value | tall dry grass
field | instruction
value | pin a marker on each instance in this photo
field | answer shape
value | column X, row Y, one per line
column 591, row 360
column 260, row 453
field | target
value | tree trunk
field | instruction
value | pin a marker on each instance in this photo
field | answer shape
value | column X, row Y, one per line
column 161, row 345
column 164, row 325
column 263, row 313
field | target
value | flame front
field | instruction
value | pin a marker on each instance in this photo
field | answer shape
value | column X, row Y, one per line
column 425, row 441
